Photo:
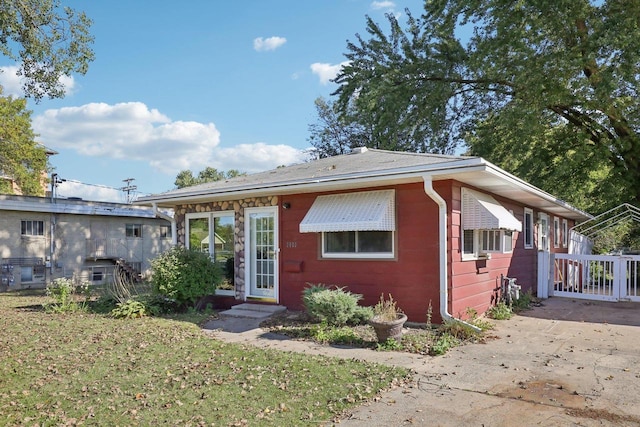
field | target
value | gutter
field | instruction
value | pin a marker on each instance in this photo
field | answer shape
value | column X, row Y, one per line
column 442, row 245
column 172, row 221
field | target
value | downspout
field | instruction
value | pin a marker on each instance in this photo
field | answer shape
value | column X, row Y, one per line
column 442, row 245
column 172, row 221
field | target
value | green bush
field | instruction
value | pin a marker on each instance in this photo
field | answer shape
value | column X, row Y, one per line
column 130, row 309
column 334, row 306
column 500, row 311
column 184, row 275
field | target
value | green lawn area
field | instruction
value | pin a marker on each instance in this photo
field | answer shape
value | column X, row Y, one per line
column 90, row 369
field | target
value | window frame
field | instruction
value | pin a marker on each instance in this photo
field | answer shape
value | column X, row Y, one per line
column 543, row 232
column 27, row 227
column 479, row 250
column 130, row 231
column 528, row 228
column 210, row 217
column 357, row 255
column 165, row 231
column 565, row 233
column 556, row 232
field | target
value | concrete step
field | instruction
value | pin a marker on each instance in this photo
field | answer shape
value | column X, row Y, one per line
column 253, row 311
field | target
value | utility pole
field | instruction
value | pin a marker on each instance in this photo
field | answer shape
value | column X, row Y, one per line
column 129, row 189
column 55, row 181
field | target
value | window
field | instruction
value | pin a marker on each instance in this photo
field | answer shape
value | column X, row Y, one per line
column 478, row 242
column 213, row 233
column 556, row 232
column 26, row 274
column 165, row 231
column 528, row 228
column 468, row 243
column 369, row 244
column 97, row 275
column 491, row 240
column 565, row 233
column 32, row 228
column 134, row 230
column 543, row 234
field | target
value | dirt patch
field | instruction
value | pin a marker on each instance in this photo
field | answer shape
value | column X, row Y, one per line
column 546, row 392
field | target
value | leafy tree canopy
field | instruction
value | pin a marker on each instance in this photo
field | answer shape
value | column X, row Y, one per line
column 47, row 41
column 547, row 90
column 21, row 158
column 186, row 179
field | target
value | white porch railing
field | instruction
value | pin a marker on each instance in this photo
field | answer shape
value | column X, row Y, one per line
column 596, row 277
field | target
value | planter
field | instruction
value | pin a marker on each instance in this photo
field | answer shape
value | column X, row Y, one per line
column 386, row 329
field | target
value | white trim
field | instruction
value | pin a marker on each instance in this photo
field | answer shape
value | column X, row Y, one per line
column 528, row 234
column 543, row 232
column 359, row 255
column 210, row 216
column 247, row 251
column 556, row 232
column 565, row 233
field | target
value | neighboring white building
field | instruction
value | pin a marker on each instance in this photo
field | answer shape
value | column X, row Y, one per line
column 42, row 239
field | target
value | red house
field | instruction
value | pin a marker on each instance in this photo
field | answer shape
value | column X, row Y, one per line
column 431, row 230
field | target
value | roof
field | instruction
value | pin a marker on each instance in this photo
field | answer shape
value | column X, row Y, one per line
column 74, row 207
column 370, row 168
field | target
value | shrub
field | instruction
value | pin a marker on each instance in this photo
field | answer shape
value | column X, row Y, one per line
column 524, row 302
column 500, row 311
column 184, row 275
column 130, row 309
column 64, row 292
column 333, row 306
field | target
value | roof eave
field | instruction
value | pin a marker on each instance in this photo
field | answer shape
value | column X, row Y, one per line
column 515, row 188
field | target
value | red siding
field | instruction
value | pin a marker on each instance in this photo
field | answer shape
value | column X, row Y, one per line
column 474, row 283
column 411, row 278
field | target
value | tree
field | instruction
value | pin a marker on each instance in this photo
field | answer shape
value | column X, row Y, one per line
column 334, row 134
column 502, row 77
column 185, row 178
column 21, row 157
column 47, row 41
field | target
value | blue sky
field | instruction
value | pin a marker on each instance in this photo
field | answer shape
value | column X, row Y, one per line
column 186, row 85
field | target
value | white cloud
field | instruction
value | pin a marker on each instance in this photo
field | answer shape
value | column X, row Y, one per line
column 11, row 82
column 129, row 131
column 257, row 157
column 134, row 132
column 271, row 43
column 376, row 5
column 325, row 71
column 89, row 192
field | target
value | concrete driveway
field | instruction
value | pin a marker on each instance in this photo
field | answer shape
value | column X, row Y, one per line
column 566, row 363
column 569, row 362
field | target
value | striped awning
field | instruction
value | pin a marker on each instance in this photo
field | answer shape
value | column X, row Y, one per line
column 482, row 212
column 362, row 211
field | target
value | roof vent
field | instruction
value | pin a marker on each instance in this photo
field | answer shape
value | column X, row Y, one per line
column 359, row 150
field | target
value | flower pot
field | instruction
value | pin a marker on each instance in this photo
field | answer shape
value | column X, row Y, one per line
column 386, row 329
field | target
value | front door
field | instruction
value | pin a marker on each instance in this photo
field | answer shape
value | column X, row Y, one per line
column 261, row 252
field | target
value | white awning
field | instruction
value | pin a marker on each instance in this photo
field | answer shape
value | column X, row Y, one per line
column 482, row 212
column 362, row 211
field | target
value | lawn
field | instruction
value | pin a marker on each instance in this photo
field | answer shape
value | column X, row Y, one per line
column 91, row 369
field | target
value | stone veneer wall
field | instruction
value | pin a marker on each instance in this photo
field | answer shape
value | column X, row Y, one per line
column 238, row 207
